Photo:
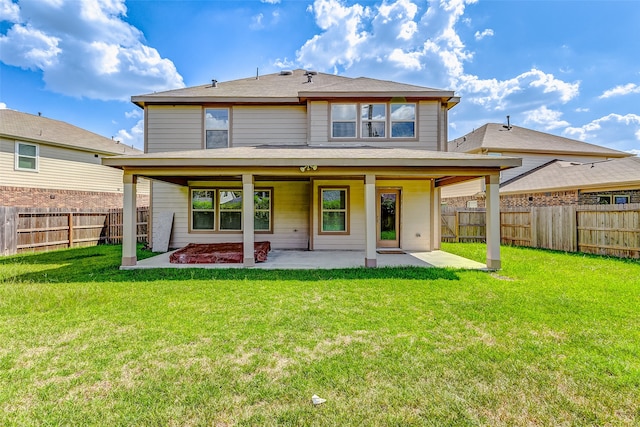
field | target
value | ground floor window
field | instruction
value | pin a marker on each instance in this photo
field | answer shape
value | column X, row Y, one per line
column 220, row 209
column 334, row 210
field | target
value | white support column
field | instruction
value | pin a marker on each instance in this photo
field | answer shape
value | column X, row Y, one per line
column 129, row 220
column 370, row 259
column 493, row 221
column 435, row 217
column 247, row 220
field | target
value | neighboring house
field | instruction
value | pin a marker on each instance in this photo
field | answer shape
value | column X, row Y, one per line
column 49, row 163
column 305, row 160
column 535, row 148
column 615, row 181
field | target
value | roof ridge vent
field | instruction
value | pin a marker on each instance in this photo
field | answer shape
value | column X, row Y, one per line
column 286, row 72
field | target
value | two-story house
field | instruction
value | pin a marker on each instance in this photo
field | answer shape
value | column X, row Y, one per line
column 304, row 160
column 50, row 163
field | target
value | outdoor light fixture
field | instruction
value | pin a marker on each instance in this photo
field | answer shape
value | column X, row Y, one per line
column 308, row 168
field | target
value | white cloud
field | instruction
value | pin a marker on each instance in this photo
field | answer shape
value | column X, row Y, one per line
column 29, row 48
column 532, row 85
column 406, row 60
column 84, row 49
column 256, row 22
column 136, row 113
column 133, row 137
column 548, row 119
column 622, row 90
column 392, row 40
column 270, row 1
column 341, row 37
column 582, row 110
column 613, row 130
column 9, row 11
column 486, row 33
column 634, row 152
column 3, row 106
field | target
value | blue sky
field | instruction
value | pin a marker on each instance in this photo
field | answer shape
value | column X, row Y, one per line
column 570, row 68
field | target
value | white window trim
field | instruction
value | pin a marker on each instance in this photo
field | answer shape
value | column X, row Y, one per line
column 204, row 118
column 18, row 155
column 355, row 121
column 388, row 122
column 414, row 121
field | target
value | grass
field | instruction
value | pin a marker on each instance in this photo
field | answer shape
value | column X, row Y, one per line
column 551, row 339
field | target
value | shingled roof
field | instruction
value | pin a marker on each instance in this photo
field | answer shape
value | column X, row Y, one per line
column 28, row 127
column 562, row 175
column 499, row 138
column 292, row 87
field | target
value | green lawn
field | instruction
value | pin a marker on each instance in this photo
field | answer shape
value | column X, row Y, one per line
column 552, row 339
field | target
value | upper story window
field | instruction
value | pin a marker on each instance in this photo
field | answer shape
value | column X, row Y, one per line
column 216, row 127
column 403, row 120
column 375, row 120
column 343, row 120
column 26, row 157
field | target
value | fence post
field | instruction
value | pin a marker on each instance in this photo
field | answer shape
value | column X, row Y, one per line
column 533, row 221
column 70, row 216
column 456, row 227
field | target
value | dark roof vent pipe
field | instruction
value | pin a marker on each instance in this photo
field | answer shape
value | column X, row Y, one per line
column 214, row 83
column 508, row 126
column 310, row 75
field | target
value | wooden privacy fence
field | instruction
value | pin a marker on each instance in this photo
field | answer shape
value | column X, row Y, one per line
column 113, row 232
column 43, row 229
column 599, row 229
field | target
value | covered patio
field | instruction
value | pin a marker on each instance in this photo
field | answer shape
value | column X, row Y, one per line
column 362, row 168
column 294, row 260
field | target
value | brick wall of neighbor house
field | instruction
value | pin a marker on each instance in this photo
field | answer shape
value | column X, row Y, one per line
column 552, row 198
column 591, row 198
column 465, row 202
column 47, row 198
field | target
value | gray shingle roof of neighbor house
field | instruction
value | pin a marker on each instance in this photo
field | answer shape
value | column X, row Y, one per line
column 496, row 137
column 561, row 175
column 28, row 127
column 293, row 87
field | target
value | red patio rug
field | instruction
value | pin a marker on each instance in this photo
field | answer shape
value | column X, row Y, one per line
column 218, row 253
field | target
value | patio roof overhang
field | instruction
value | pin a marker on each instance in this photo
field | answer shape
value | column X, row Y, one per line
column 303, row 162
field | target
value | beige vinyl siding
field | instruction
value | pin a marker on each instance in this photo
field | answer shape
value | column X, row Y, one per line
column 318, row 122
column 174, row 128
column 530, row 162
column 467, row 188
column 63, row 169
column 427, row 126
column 355, row 239
column 414, row 213
column 290, row 214
column 286, row 125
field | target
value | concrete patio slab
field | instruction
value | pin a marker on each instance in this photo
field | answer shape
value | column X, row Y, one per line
column 291, row 259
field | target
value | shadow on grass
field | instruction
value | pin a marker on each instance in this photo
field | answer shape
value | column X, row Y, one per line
column 101, row 264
